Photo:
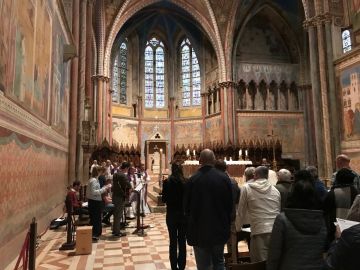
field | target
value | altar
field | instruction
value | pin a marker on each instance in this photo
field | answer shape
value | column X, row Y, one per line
column 234, row 168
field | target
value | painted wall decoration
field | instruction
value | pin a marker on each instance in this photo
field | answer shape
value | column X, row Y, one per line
column 188, row 132
column 288, row 128
column 355, row 13
column 25, row 50
column 28, row 177
column 7, row 43
column 213, row 129
column 125, row 131
column 350, row 89
column 60, row 83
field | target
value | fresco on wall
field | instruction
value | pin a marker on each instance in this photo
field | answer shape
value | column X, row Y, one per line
column 7, row 43
column 60, row 85
column 288, row 128
column 24, row 54
column 188, row 132
column 355, row 14
column 350, row 90
column 43, row 31
column 213, row 129
column 25, row 50
column 125, row 131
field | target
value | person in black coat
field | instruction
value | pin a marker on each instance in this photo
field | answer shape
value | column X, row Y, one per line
column 343, row 253
column 172, row 195
column 208, row 206
column 298, row 238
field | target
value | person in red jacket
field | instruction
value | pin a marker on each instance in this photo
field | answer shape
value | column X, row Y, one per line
column 76, row 204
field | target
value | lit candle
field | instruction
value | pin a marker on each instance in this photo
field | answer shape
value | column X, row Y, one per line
column 188, row 152
column 240, row 153
column 194, row 153
column 246, row 152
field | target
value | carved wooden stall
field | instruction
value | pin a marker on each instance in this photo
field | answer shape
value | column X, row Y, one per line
column 116, row 153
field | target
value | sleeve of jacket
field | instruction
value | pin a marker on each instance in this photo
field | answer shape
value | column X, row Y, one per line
column 276, row 244
column 164, row 196
column 354, row 212
column 241, row 209
column 338, row 251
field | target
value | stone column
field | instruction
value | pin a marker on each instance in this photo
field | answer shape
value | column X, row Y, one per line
column 223, row 114
column 172, row 124
column 204, row 101
column 89, row 91
column 316, row 98
column 328, row 168
column 228, row 111
column 81, row 88
column 74, row 95
column 332, row 89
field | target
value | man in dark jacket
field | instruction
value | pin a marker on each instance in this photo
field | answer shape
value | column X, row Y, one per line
column 283, row 185
column 208, row 205
column 344, row 252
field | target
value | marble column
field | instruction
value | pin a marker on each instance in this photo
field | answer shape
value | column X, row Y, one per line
column 73, row 95
column 328, row 168
column 316, row 98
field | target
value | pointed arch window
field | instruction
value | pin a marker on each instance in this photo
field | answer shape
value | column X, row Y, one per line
column 119, row 78
column 346, row 41
column 190, row 75
column 154, row 74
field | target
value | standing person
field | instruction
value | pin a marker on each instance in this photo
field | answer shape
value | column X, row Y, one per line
column 172, row 195
column 95, row 164
column 320, row 188
column 249, row 174
column 208, row 205
column 343, row 161
column 283, row 185
column 96, row 204
column 298, row 238
column 260, row 203
column 121, row 188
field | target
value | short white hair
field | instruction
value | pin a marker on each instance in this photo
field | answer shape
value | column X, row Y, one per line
column 284, row 175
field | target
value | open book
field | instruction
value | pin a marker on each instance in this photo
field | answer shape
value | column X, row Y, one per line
column 345, row 224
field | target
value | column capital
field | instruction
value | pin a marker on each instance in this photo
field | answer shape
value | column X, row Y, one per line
column 100, row 78
column 227, row 84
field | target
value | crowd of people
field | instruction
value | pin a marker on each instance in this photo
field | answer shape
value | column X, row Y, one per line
column 110, row 187
column 292, row 220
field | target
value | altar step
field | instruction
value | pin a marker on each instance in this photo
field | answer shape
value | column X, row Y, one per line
column 154, row 198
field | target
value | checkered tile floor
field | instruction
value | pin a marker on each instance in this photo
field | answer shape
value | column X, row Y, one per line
column 131, row 252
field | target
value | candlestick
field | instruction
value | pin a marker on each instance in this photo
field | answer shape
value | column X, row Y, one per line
column 188, row 152
column 194, row 153
column 246, row 152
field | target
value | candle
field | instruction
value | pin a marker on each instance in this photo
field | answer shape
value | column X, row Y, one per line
column 188, row 152
column 246, row 152
column 240, row 153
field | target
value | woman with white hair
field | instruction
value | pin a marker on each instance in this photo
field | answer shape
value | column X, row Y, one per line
column 284, row 185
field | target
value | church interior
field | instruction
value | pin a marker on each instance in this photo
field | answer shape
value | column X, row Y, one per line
column 150, row 81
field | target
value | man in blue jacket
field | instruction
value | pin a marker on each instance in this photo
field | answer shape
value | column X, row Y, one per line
column 208, row 206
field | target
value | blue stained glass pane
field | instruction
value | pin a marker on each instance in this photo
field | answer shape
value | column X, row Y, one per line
column 186, row 102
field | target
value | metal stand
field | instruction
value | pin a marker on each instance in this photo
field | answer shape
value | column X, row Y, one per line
column 140, row 227
column 70, row 242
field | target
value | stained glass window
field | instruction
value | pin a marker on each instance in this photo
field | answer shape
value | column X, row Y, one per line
column 154, row 74
column 119, row 78
column 346, row 40
column 190, row 75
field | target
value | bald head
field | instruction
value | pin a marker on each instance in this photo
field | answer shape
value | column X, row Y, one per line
column 342, row 161
column 207, row 157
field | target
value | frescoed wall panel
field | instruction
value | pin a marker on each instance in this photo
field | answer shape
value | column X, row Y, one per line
column 288, row 128
column 213, row 129
column 188, row 132
column 125, row 131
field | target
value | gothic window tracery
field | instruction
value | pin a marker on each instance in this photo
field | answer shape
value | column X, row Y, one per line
column 154, row 74
column 190, row 75
column 346, row 41
column 119, row 76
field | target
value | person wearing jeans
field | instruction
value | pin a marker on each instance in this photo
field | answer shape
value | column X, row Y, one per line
column 208, row 206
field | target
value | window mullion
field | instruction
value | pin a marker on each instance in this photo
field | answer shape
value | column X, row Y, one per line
column 154, row 77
